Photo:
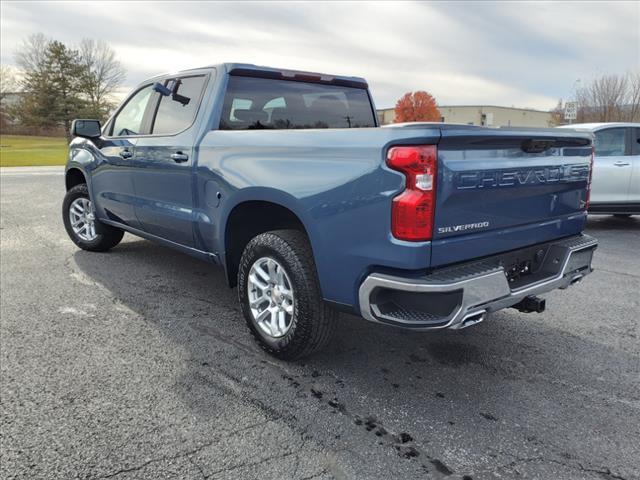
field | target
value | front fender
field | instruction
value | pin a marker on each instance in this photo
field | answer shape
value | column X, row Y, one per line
column 81, row 157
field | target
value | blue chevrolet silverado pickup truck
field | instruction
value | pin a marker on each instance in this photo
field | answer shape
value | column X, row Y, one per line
column 286, row 180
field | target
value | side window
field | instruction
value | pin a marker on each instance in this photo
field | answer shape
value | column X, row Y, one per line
column 129, row 119
column 635, row 141
column 177, row 111
column 611, row 142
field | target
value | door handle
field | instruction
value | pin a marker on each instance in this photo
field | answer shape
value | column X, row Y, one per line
column 126, row 154
column 179, row 157
column 620, row 163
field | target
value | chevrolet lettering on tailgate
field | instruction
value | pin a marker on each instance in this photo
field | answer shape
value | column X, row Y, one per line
column 528, row 176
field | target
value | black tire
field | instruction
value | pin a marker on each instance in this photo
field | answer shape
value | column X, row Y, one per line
column 106, row 236
column 312, row 322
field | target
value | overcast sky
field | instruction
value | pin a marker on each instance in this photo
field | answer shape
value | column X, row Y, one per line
column 504, row 53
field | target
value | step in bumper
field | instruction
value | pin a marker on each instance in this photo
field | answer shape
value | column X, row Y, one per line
column 459, row 296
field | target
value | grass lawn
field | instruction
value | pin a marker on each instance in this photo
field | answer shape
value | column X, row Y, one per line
column 27, row 151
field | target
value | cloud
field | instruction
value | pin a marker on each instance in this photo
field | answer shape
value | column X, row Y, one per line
column 526, row 54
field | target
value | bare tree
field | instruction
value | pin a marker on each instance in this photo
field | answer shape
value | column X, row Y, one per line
column 103, row 74
column 609, row 98
column 633, row 80
column 31, row 54
column 557, row 114
column 31, row 59
column 8, row 82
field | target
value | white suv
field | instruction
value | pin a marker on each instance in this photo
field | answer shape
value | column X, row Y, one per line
column 615, row 187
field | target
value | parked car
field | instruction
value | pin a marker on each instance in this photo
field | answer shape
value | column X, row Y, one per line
column 615, row 187
column 286, row 181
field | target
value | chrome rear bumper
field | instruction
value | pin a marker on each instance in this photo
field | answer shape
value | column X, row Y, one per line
column 459, row 296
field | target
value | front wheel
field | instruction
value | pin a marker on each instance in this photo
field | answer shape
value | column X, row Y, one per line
column 280, row 295
column 81, row 225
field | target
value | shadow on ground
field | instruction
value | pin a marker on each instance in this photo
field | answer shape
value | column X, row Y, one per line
column 495, row 379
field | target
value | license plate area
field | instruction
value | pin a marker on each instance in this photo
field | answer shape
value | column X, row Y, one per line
column 527, row 265
column 527, row 272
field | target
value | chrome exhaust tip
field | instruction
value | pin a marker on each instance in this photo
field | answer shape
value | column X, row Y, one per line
column 576, row 279
column 472, row 319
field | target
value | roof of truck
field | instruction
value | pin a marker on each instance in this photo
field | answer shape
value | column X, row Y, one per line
column 248, row 69
column 599, row 126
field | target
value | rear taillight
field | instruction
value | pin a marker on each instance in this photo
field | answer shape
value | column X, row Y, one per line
column 413, row 210
column 586, row 203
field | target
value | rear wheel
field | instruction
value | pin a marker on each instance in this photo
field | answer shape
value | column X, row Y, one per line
column 280, row 295
column 83, row 228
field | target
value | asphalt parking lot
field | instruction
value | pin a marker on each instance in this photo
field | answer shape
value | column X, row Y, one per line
column 137, row 364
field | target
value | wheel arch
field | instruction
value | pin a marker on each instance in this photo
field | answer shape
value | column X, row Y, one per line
column 74, row 176
column 252, row 215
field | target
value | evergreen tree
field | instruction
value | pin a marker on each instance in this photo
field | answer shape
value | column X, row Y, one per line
column 60, row 83
column 62, row 90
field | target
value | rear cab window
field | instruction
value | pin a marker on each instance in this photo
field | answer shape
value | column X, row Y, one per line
column 264, row 103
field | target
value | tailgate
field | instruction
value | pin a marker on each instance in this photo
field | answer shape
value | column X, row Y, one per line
column 503, row 189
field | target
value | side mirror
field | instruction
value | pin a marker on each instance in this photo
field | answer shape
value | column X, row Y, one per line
column 86, row 128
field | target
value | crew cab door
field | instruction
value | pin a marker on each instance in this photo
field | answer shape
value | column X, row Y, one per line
column 163, row 160
column 612, row 166
column 112, row 180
